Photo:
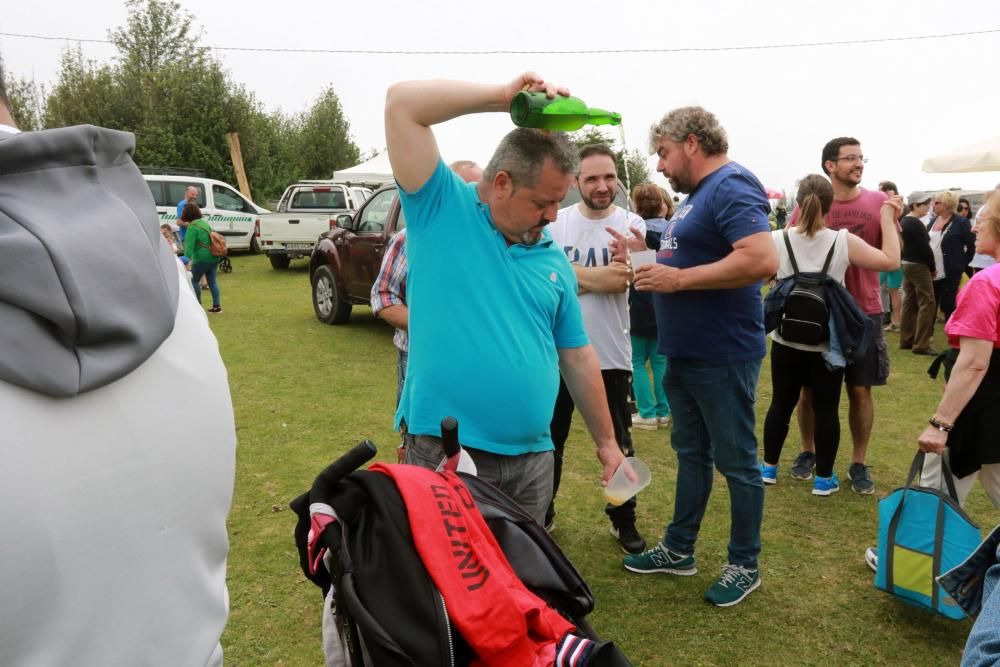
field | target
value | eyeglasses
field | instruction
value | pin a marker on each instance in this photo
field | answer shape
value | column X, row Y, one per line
column 854, row 158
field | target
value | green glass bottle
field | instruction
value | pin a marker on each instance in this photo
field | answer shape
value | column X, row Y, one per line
column 560, row 114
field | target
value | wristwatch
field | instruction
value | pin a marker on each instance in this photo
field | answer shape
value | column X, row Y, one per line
column 940, row 425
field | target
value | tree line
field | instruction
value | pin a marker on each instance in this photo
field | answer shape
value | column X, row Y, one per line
column 165, row 86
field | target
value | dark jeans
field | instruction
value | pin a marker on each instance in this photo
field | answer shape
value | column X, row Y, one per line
column 713, row 411
column 791, row 370
column 617, row 384
column 210, row 270
column 945, row 292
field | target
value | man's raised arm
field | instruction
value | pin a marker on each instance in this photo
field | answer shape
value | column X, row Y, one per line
column 412, row 107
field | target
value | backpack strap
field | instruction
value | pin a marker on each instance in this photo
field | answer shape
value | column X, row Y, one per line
column 791, row 255
column 829, row 255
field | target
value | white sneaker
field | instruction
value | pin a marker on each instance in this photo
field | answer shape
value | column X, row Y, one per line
column 644, row 423
column 664, row 422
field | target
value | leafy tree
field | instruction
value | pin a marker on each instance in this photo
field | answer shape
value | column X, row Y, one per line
column 166, row 88
column 631, row 165
column 325, row 144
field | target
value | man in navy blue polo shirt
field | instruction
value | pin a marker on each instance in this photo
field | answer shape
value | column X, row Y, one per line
column 716, row 250
column 493, row 312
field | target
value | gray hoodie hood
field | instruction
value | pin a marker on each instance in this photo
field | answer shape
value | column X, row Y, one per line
column 88, row 288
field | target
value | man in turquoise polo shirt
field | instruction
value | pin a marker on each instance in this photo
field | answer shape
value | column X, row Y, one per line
column 493, row 316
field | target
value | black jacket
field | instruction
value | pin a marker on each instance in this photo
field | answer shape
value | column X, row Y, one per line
column 958, row 245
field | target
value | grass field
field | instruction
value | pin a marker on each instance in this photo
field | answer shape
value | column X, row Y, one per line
column 305, row 392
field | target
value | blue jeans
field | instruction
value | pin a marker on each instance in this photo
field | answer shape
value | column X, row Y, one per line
column 644, row 349
column 983, row 645
column 210, row 270
column 526, row 478
column 402, row 356
column 713, row 423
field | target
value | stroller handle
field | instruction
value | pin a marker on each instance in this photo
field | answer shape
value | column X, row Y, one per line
column 449, row 436
column 355, row 457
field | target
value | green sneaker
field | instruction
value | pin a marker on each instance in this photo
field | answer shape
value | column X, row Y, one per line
column 660, row 559
column 735, row 584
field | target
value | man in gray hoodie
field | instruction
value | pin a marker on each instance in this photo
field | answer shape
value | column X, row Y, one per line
column 112, row 507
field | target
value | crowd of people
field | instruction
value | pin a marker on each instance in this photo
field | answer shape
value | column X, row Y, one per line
column 694, row 315
column 512, row 313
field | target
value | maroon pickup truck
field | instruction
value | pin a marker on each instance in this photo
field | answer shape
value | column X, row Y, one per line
column 346, row 260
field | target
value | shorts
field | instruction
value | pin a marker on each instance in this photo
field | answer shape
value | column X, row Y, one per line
column 891, row 279
column 873, row 370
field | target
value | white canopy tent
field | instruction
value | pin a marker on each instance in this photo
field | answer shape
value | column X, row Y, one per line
column 984, row 156
column 375, row 171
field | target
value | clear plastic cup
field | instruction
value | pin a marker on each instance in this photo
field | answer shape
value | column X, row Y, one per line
column 631, row 477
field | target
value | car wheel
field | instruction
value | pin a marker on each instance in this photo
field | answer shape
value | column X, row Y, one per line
column 279, row 261
column 254, row 246
column 329, row 307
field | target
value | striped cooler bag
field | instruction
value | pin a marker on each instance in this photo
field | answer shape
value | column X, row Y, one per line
column 923, row 533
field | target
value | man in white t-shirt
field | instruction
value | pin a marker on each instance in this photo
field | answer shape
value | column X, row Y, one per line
column 581, row 231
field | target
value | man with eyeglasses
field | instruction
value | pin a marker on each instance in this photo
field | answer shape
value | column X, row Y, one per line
column 856, row 209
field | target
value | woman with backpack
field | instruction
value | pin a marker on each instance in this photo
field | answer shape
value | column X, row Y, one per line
column 795, row 365
column 198, row 247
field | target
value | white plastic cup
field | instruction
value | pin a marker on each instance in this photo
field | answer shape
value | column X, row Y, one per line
column 631, row 477
column 642, row 257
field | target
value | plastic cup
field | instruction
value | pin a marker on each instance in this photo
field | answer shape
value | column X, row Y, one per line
column 631, row 477
column 642, row 257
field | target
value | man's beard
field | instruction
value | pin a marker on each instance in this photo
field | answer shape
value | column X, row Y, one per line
column 597, row 207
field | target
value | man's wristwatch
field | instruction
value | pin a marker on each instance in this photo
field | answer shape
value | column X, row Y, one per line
column 940, row 425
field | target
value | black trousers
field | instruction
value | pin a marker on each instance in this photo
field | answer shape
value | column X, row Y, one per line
column 791, row 370
column 617, row 385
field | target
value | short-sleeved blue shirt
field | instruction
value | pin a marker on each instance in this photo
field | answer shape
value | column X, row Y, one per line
column 180, row 209
column 724, row 326
column 485, row 322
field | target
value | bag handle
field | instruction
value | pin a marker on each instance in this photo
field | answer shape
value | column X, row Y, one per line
column 946, row 474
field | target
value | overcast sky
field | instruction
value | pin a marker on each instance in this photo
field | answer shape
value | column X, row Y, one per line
column 904, row 100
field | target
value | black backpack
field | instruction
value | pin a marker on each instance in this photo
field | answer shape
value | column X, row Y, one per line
column 805, row 318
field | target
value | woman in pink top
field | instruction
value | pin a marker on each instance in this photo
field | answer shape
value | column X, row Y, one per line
column 965, row 419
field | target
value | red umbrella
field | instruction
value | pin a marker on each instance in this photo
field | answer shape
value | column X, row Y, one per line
column 774, row 194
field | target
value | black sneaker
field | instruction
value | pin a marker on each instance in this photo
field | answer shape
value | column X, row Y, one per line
column 629, row 538
column 861, row 479
column 803, row 466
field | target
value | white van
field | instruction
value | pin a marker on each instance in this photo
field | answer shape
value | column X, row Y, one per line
column 223, row 207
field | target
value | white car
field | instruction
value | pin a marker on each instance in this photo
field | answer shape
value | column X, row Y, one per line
column 222, row 206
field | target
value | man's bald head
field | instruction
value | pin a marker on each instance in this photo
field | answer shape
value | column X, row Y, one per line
column 467, row 170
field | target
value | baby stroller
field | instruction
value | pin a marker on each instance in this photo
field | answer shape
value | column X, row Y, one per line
column 390, row 599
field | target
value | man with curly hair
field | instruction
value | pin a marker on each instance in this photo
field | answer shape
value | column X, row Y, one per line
column 713, row 256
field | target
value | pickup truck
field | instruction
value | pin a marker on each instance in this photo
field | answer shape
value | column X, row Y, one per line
column 347, row 258
column 305, row 210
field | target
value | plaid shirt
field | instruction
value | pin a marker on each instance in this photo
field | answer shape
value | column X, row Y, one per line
column 390, row 286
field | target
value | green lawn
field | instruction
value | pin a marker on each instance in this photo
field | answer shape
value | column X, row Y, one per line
column 305, row 392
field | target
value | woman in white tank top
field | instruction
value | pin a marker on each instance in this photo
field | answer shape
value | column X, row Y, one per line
column 794, row 366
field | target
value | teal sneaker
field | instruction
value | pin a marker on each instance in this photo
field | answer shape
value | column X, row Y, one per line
column 769, row 473
column 735, row 584
column 825, row 486
column 660, row 559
